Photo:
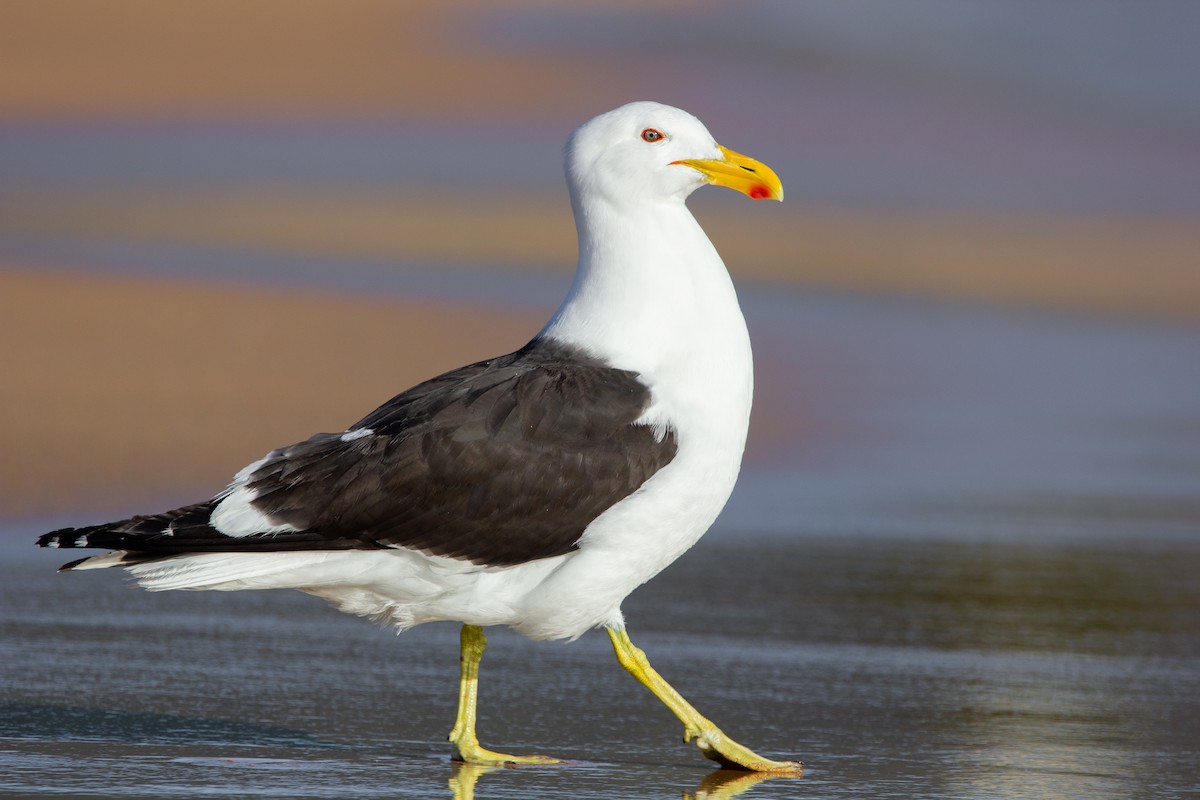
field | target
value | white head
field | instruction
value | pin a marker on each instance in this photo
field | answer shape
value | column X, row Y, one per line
column 649, row 152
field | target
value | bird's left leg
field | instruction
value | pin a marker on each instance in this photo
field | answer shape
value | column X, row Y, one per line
column 466, row 745
column 712, row 741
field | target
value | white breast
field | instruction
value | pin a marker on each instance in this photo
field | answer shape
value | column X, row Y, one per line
column 657, row 300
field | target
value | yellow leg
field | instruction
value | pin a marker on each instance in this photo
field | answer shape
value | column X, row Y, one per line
column 462, row 736
column 711, row 740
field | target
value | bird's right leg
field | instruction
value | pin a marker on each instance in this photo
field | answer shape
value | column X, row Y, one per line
column 466, row 744
column 713, row 743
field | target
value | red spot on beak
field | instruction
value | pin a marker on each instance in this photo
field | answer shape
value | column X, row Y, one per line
column 759, row 193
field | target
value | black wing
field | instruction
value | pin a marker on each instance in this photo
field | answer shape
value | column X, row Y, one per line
column 500, row 462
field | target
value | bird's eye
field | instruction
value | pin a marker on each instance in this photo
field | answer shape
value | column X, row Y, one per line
column 652, row 135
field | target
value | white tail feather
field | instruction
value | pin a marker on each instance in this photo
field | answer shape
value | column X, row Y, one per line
column 102, row 561
column 229, row 571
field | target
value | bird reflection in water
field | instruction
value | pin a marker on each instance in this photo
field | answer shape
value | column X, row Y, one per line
column 716, row 785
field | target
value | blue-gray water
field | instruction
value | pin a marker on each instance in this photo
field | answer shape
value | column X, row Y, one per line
column 964, row 565
column 894, row 667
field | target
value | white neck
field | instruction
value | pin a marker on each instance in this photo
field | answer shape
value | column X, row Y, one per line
column 648, row 287
column 651, row 295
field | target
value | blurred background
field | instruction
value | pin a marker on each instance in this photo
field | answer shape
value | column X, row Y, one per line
column 966, row 532
column 225, row 225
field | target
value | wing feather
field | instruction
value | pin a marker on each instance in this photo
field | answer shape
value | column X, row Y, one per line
column 499, row 462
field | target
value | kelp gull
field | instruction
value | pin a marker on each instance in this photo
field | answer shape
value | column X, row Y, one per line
column 536, row 489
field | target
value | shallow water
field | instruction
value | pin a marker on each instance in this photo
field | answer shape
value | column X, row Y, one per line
column 892, row 667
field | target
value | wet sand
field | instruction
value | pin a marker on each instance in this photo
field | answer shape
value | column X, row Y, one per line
column 127, row 393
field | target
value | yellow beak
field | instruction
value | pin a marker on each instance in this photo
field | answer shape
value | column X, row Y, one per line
column 750, row 177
